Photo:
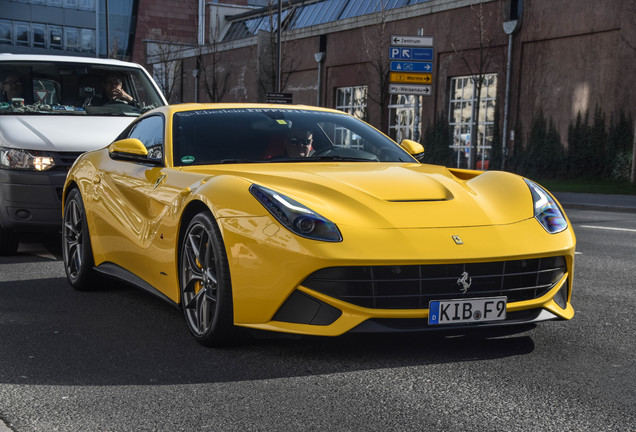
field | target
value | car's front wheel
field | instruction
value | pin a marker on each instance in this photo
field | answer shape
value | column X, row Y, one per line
column 76, row 247
column 204, row 276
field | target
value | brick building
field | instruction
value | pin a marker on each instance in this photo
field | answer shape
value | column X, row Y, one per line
column 566, row 56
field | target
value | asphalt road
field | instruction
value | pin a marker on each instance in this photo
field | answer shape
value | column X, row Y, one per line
column 121, row 360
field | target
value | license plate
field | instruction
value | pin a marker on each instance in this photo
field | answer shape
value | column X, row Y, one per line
column 467, row 310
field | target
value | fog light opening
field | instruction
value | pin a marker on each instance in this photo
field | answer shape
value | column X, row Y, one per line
column 561, row 297
column 23, row 214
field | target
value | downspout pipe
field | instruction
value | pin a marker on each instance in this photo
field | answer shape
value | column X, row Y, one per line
column 320, row 59
column 504, row 140
column 278, row 48
column 509, row 27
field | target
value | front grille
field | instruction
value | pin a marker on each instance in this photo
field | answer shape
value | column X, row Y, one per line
column 63, row 162
column 413, row 286
column 65, row 159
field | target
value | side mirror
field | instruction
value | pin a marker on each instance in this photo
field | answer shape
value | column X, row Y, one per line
column 413, row 148
column 131, row 149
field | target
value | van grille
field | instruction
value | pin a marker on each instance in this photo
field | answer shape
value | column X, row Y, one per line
column 65, row 159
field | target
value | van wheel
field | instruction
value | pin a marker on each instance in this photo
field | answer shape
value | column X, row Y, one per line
column 8, row 242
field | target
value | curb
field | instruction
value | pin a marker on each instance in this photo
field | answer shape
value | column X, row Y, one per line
column 599, row 202
column 610, row 208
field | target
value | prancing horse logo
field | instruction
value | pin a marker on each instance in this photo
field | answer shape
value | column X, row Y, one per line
column 465, row 281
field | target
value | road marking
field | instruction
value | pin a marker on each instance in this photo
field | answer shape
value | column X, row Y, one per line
column 608, row 228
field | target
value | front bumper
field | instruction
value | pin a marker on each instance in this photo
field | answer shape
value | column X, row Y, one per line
column 31, row 201
column 269, row 271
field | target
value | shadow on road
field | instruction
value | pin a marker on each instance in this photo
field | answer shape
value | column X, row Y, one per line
column 53, row 335
column 36, row 247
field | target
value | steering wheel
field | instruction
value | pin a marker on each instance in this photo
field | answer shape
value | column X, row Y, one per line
column 323, row 152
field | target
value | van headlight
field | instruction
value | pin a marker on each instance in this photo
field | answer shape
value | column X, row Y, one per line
column 296, row 217
column 546, row 210
column 19, row 159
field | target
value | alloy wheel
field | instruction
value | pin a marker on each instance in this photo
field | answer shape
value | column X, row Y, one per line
column 199, row 279
column 73, row 233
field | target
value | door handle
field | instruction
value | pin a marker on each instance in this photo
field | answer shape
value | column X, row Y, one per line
column 159, row 180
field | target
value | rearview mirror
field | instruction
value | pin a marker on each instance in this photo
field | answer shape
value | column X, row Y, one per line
column 86, row 92
column 414, row 148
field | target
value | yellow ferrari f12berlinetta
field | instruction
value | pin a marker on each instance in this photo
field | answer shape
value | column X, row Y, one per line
column 307, row 220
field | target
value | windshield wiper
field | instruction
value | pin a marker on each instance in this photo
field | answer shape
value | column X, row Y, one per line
column 234, row 161
column 339, row 159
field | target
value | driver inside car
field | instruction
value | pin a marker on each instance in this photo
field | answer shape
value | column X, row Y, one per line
column 113, row 92
column 299, row 143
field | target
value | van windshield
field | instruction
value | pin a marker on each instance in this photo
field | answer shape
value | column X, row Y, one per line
column 66, row 88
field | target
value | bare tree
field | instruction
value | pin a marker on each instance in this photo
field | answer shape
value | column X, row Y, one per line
column 266, row 54
column 376, row 46
column 213, row 72
column 164, row 46
column 168, row 70
column 113, row 50
column 477, row 65
column 215, row 77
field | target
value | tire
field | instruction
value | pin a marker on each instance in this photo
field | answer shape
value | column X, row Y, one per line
column 9, row 242
column 205, row 284
column 76, row 245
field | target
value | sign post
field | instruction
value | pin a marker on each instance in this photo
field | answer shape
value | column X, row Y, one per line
column 279, row 98
column 411, row 67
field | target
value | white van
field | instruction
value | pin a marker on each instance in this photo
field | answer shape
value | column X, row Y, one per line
column 48, row 116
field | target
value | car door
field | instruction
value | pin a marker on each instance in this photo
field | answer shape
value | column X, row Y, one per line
column 132, row 200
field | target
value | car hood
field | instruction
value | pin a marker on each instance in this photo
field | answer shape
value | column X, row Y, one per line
column 386, row 195
column 72, row 133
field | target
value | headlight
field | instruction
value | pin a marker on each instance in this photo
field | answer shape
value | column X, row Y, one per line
column 296, row 217
column 11, row 158
column 546, row 211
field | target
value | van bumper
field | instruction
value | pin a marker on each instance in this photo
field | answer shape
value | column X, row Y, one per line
column 31, row 201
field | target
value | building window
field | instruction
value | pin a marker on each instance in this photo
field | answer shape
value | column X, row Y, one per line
column 21, row 33
column 463, row 96
column 87, row 40
column 352, row 100
column 71, row 39
column 54, row 3
column 55, row 37
column 70, row 4
column 88, row 5
column 404, row 115
column 5, row 32
column 39, row 35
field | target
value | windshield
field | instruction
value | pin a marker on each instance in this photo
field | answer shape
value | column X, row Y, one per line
column 64, row 88
column 277, row 135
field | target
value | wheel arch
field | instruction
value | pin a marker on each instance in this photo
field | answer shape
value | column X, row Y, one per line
column 67, row 190
column 193, row 208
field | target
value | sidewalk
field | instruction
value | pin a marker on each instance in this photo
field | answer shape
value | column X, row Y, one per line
column 588, row 201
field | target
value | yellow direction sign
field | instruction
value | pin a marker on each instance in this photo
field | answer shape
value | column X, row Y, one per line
column 411, row 78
